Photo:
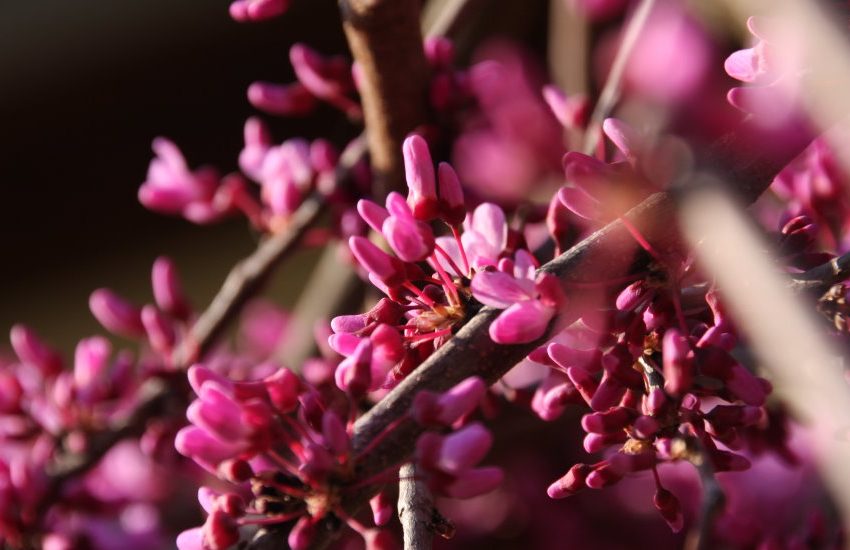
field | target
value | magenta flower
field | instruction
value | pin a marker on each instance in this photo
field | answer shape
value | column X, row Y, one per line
column 257, row 10
column 171, row 188
column 449, row 462
column 529, row 304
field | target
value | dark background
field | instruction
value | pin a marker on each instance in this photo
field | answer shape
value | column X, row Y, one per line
column 86, row 85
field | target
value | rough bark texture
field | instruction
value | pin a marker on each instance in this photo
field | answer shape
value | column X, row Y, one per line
column 386, row 42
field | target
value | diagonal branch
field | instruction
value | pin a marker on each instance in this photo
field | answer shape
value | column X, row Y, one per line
column 606, row 254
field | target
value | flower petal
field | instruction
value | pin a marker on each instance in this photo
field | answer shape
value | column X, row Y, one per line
column 497, row 289
column 521, row 323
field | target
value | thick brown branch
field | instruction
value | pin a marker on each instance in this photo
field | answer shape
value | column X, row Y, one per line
column 386, row 42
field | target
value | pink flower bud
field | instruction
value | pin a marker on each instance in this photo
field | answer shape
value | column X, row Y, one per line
column 302, row 533
column 257, row 10
column 571, row 482
column 167, row 289
column 439, row 50
column 235, row 471
column 602, row 476
column 220, row 531
column 645, row 427
column 608, row 421
column 116, row 314
column 382, row 508
column 626, row 463
column 281, row 99
column 419, row 172
column 334, row 434
column 430, row 409
column 583, row 382
column 608, row 394
column 618, row 362
column 353, row 375
column 231, row 504
column 678, row 363
column 553, row 395
column 521, row 323
column 594, row 443
column 388, row 270
column 91, row 360
column 464, row 448
column 655, row 402
column 452, row 205
column 633, row 296
column 159, row 329
column 667, row 503
column 283, row 388
column 31, row 350
column 411, row 240
column 571, row 111
column 474, row 482
column 373, row 214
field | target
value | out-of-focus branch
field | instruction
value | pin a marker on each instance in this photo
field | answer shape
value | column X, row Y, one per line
column 159, row 398
column 415, row 510
column 613, row 84
column 245, row 279
column 713, row 497
column 386, row 43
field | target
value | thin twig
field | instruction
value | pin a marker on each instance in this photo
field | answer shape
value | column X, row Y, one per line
column 712, row 500
column 611, row 91
column 415, row 510
column 819, row 279
column 244, row 279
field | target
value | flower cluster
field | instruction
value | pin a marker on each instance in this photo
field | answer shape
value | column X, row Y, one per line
column 284, row 444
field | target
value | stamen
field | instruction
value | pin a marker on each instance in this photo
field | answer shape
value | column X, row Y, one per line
column 641, row 240
column 422, row 296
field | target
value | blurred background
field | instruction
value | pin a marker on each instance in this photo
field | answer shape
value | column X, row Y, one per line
column 84, row 88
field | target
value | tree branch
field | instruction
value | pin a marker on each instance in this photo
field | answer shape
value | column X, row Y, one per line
column 243, row 281
column 819, row 279
column 386, row 43
column 415, row 510
column 606, row 254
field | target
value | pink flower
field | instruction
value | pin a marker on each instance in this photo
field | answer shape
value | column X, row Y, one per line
column 449, row 461
column 421, row 181
column 529, row 304
column 171, row 188
column 257, row 10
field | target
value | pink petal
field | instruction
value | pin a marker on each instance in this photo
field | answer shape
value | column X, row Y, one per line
column 489, row 220
column 497, row 289
column 623, row 136
column 580, row 203
column 521, row 323
column 475, row 482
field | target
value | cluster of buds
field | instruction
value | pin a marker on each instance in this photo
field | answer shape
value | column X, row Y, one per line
column 162, row 325
column 285, row 445
column 48, row 412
